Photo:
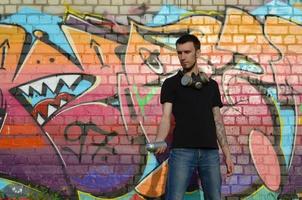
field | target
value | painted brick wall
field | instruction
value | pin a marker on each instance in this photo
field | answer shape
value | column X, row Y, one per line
column 80, row 84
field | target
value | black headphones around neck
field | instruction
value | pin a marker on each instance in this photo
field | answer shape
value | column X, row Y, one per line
column 194, row 81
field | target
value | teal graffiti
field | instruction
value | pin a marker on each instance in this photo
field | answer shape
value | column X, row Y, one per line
column 263, row 194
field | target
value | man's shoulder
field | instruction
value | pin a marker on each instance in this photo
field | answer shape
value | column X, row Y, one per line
column 172, row 78
column 213, row 81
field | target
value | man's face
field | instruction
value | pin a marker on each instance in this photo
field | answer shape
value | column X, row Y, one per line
column 187, row 54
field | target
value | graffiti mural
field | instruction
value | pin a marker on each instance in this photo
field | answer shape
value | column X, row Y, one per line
column 79, row 99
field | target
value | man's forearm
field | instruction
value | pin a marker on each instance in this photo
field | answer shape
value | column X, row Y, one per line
column 220, row 131
column 164, row 125
column 163, row 129
column 222, row 139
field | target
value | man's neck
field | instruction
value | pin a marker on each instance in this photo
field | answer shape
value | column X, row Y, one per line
column 194, row 70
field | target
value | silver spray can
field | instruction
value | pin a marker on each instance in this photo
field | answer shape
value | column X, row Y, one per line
column 152, row 147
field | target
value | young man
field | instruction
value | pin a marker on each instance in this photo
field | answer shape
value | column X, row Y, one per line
column 198, row 126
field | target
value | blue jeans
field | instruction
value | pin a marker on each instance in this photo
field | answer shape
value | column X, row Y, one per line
column 182, row 163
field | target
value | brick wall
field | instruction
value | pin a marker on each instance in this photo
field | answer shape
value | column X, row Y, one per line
column 80, row 84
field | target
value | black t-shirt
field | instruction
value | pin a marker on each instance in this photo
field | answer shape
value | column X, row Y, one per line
column 192, row 110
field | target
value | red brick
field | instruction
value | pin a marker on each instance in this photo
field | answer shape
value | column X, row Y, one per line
column 235, row 89
column 254, row 99
column 235, row 149
column 243, row 139
column 242, row 120
column 231, row 139
column 256, row 120
column 255, row 110
column 234, row 110
column 228, row 120
column 247, row 129
column 127, row 149
column 232, row 130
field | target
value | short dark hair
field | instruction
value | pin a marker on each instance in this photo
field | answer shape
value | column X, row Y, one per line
column 189, row 38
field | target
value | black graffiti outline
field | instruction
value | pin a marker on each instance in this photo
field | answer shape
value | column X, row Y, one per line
column 152, row 61
column 3, row 110
column 5, row 45
column 85, row 128
column 98, row 50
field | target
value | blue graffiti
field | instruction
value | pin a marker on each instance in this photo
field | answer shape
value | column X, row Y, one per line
column 150, row 165
column 32, row 20
column 249, row 67
column 103, row 179
column 3, row 183
column 280, row 9
column 166, row 15
column 288, row 120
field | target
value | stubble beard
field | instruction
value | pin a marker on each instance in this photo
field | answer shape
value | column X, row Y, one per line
column 185, row 70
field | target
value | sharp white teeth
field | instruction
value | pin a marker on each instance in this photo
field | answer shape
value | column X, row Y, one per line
column 70, row 79
column 62, row 102
column 25, row 89
column 51, row 110
column 37, row 86
column 51, row 82
column 40, row 119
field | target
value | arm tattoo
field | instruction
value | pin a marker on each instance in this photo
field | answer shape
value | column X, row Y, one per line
column 220, row 131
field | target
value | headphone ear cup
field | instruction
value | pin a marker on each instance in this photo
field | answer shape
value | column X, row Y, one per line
column 186, row 80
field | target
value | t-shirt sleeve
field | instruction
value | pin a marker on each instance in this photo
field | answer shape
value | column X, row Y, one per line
column 216, row 96
column 167, row 94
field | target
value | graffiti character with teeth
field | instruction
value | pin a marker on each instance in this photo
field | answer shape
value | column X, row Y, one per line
column 77, row 120
column 72, row 117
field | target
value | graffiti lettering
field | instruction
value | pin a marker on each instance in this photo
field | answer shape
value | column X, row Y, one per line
column 60, row 90
column 82, row 136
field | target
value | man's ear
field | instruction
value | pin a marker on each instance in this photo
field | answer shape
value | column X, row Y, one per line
column 198, row 53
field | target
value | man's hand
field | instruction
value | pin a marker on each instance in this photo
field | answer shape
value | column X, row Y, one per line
column 230, row 166
column 157, row 147
column 161, row 150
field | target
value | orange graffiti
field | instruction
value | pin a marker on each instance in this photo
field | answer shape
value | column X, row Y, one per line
column 12, row 39
column 154, row 184
column 286, row 36
column 93, row 52
column 243, row 34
